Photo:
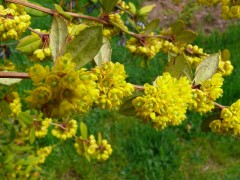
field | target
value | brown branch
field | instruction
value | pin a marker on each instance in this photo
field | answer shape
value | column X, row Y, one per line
column 34, row 6
column 137, row 87
column 52, row 12
column 59, row 125
column 96, row 19
column 10, row 74
column 36, row 32
column 220, row 106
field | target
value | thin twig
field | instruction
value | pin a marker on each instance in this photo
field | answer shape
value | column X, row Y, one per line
column 219, row 105
column 137, row 87
column 36, row 32
column 10, row 74
column 92, row 18
column 34, row 6
column 59, row 125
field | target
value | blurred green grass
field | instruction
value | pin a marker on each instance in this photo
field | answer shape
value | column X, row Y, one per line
column 140, row 152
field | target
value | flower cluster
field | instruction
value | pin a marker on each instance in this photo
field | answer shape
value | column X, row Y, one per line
column 208, row 2
column 13, row 21
column 43, row 153
column 148, row 47
column 229, row 121
column 43, row 51
column 123, row 5
column 100, row 150
column 230, row 9
column 67, row 130
column 225, row 67
column 210, row 90
column 112, row 85
column 64, row 90
column 41, row 127
column 165, row 103
column 15, row 104
column 194, row 55
column 117, row 22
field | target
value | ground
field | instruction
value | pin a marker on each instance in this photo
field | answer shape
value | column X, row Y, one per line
column 199, row 18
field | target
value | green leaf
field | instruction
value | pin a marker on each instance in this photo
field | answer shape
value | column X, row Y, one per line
column 132, row 8
column 178, row 67
column 86, row 45
column 205, row 122
column 34, row 12
column 120, row 26
column 104, row 54
column 84, row 130
column 9, row 81
column 60, row 10
column 153, row 25
column 88, row 157
column 178, row 26
column 31, row 160
column 29, row 44
column 108, row 5
column 21, row 148
column 225, row 55
column 145, row 10
column 32, row 135
column 206, row 69
column 133, row 24
column 58, row 37
column 99, row 138
column 127, row 107
column 5, row 109
column 25, row 118
column 186, row 36
column 77, row 28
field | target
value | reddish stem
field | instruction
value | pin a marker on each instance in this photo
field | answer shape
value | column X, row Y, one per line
column 137, row 87
column 11, row 74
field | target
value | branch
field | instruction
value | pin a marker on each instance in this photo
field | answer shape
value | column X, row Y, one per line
column 92, row 18
column 59, row 125
column 52, row 12
column 137, row 87
column 34, row 6
column 10, row 74
column 220, row 106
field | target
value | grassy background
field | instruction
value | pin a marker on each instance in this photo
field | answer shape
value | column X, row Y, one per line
column 140, row 152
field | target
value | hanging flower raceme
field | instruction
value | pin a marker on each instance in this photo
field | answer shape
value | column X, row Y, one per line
column 210, row 90
column 229, row 121
column 13, row 21
column 14, row 103
column 166, row 102
column 63, row 90
column 112, row 85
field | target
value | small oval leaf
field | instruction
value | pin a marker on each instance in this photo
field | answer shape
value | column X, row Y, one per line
column 104, row 54
column 178, row 26
column 206, row 69
column 60, row 10
column 9, row 81
column 152, row 26
column 186, row 36
column 84, row 130
column 29, row 44
column 145, row 10
column 108, row 5
column 178, row 67
column 58, row 37
column 132, row 8
column 85, row 46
